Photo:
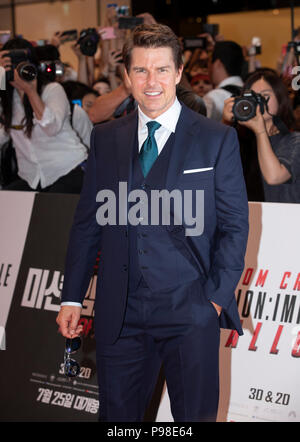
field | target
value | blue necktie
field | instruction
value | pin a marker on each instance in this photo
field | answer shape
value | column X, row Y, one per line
column 149, row 151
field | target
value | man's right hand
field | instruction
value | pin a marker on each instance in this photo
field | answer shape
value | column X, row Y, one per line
column 227, row 111
column 68, row 319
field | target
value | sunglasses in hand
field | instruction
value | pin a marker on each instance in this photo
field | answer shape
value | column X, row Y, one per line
column 71, row 367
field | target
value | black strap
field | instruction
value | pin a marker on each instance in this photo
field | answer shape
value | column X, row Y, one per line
column 281, row 126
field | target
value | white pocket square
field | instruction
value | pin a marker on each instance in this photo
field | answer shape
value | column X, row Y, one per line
column 204, row 169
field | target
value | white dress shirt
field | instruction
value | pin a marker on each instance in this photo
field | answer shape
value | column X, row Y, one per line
column 168, row 121
column 54, row 148
column 214, row 100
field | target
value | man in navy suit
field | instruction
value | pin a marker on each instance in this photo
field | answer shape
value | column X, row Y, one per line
column 164, row 288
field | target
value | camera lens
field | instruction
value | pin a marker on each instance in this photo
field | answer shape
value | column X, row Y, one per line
column 27, row 71
column 244, row 110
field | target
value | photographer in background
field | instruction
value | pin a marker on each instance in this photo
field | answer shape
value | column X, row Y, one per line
column 80, row 97
column 102, row 86
column 84, row 48
column 80, row 93
column 201, row 84
column 118, row 101
column 35, row 113
column 278, row 148
column 225, row 70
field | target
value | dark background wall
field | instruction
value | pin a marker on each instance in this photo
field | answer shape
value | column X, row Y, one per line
column 184, row 16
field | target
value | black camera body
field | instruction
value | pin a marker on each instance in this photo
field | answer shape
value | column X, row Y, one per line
column 244, row 107
column 21, row 60
column 88, row 41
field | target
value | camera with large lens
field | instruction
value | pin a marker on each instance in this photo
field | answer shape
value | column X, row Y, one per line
column 21, row 60
column 244, row 107
column 49, row 63
column 88, row 41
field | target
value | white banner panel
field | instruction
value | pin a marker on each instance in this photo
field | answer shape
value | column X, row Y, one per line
column 259, row 371
column 15, row 216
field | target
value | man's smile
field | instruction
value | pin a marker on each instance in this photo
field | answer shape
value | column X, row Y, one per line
column 153, row 94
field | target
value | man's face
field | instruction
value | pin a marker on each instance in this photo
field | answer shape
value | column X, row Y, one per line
column 153, row 78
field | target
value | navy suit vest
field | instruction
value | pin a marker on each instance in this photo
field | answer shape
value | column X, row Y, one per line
column 154, row 253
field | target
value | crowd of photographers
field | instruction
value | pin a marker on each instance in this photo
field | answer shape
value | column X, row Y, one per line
column 49, row 108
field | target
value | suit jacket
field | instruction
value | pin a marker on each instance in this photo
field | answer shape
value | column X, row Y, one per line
column 211, row 151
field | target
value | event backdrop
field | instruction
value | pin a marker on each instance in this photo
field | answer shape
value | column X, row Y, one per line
column 259, row 370
column 14, row 221
column 33, row 386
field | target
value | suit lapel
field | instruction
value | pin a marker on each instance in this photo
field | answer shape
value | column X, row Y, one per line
column 183, row 143
column 125, row 144
column 125, row 139
column 184, row 135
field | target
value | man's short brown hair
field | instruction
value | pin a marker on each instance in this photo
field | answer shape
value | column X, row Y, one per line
column 153, row 36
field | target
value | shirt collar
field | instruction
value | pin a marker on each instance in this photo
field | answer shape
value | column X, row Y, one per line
column 235, row 79
column 168, row 119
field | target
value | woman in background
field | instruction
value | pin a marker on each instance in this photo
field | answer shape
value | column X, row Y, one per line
column 278, row 146
column 36, row 116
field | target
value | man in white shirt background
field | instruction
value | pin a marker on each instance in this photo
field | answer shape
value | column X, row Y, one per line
column 225, row 70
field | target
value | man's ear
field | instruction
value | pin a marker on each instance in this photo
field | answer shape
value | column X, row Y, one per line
column 126, row 77
column 219, row 64
column 179, row 74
